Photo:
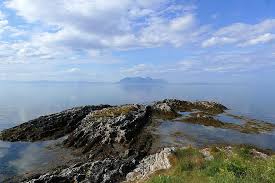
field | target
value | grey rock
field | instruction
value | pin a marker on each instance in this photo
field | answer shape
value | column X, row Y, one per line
column 151, row 164
column 113, row 127
column 49, row 127
column 170, row 106
column 114, row 142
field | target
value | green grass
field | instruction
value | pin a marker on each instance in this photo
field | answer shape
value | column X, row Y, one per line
column 239, row 166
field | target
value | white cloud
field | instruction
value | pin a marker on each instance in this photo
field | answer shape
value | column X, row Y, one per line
column 218, row 62
column 3, row 23
column 98, row 24
column 73, row 70
column 241, row 34
column 140, row 69
column 218, row 41
column 261, row 39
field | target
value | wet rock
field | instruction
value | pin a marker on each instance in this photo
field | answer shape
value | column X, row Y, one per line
column 204, row 120
column 150, row 165
column 49, row 127
column 248, row 127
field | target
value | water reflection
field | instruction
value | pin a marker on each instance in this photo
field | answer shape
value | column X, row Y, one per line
column 229, row 119
column 22, row 157
column 182, row 134
column 20, row 102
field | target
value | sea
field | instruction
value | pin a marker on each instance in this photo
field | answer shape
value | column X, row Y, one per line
column 23, row 101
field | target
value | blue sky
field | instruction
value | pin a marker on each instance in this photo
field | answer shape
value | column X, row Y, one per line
column 177, row 40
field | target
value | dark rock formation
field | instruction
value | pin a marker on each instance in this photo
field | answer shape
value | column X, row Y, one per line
column 164, row 111
column 170, row 106
column 113, row 140
column 49, row 127
column 109, row 130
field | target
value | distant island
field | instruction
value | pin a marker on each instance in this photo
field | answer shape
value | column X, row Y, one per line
column 141, row 80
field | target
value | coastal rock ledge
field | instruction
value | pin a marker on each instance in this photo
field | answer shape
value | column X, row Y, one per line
column 113, row 140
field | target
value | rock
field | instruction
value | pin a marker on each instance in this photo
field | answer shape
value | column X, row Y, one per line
column 60, row 124
column 114, row 142
column 150, row 165
column 169, row 107
column 178, row 105
column 105, row 171
column 109, row 129
column 49, row 127
column 258, row 154
column 164, row 111
column 211, row 107
column 207, row 154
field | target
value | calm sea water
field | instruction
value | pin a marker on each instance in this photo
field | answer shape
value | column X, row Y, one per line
column 20, row 102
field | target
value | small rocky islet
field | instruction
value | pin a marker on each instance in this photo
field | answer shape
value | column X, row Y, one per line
column 118, row 143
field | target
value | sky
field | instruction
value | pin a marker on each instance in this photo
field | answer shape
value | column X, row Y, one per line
column 176, row 40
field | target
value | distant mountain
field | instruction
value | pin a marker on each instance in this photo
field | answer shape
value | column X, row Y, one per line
column 141, row 80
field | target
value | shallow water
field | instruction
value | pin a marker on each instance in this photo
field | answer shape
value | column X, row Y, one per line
column 20, row 102
column 174, row 133
column 18, row 158
column 229, row 119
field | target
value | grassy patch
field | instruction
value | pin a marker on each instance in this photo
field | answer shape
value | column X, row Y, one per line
column 114, row 111
column 227, row 166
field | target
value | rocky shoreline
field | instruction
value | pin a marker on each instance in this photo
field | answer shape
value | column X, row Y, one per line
column 114, row 140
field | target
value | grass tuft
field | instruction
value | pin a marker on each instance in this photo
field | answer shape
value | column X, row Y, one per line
column 236, row 165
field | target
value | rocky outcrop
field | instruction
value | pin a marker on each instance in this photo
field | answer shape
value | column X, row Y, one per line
column 164, row 111
column 105, row 171
column 150, row 165
column 168, row 108
column 60, row 124
column 113, row 140
column 49, row 127
column 109, row 128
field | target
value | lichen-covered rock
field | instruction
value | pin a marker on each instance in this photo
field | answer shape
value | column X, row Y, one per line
column 258, row 154
column 169, row 107
column 113, row 140
column 105, row 171
column 177, row 105
column 164, row 111
column 108, row 130
column 212, row 107
column 49, row 127
column 150, row 165
column 206, row 152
